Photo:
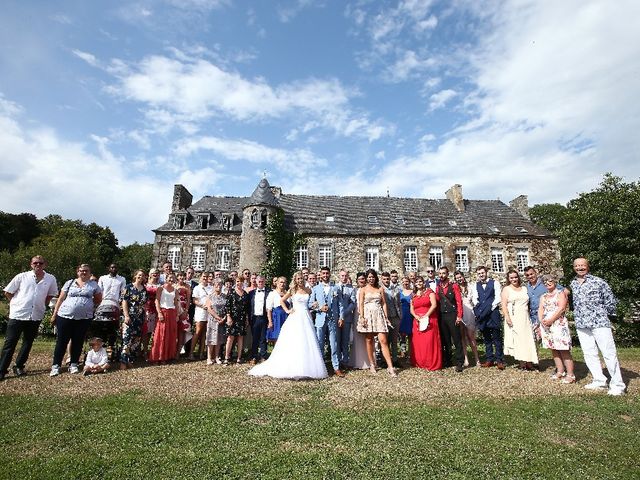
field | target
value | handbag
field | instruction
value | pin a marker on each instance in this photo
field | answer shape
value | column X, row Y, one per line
column 423, row 324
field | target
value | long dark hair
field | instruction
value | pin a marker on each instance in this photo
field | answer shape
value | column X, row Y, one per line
column 371, row 271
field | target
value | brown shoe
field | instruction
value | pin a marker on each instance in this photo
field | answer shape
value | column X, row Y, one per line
column 252, row 361
column 339, row 373
column 501, row 366
column 487, row 364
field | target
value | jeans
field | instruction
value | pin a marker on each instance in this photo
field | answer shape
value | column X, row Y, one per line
column 69, row 329
column 592, row 339
column 15, row 328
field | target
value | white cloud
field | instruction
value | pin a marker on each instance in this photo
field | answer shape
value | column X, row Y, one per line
column 294, row 162
column 87, row 57
column 44, row 174
column 190, row 90
column 288, row 13
column 406, row 65
column 440, row 99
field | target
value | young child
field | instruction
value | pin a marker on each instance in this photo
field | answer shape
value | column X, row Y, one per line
column 97, row 360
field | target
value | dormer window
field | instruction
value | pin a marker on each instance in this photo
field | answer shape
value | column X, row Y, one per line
column 226, row 222
column 426, row 222
column 330, row 218
column 453, row 223
column 494, row 229
column 399, row 220
column 202, row 221
column 179, row 221
column 522, row 229
column 372, row 219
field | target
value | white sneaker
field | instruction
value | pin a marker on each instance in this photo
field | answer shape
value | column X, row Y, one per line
column 55, row 371
column 595, row 386
column 616, row 392
column 73, row 368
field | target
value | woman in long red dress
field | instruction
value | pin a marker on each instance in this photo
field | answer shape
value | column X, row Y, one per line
column 165, row 336
column 426, row 351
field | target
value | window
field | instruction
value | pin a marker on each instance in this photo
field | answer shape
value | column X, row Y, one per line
column 522, row 230
column 226, row 222
column 173, row 256
column 522, row 258
column 399, row 220
column 426, row 222
column 325, row 256
column 255, row 218
column 198, row 257
column 435, row 257
column 462, row 259
column 411, row 259
column 330, row 219
column 494, row 229
column 453, row 223
column 497, row 260
column 179, row 220
column 223, row 257
column 202, row 221
column 372, row 219
column 372, row 258
column 302, row 257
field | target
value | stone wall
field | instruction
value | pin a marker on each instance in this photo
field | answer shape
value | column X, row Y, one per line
column 349, row 252
column 188, row 240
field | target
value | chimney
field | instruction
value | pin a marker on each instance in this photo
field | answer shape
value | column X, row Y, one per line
column 521, row 205
column 277, row 191
column 181, row 198
column 454, row 195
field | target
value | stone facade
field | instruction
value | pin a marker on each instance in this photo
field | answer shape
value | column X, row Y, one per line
column 356, row 233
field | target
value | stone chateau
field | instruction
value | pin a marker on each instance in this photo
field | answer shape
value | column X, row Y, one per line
column 356, row 233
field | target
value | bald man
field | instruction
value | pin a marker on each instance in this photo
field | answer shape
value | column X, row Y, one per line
column 593, row 302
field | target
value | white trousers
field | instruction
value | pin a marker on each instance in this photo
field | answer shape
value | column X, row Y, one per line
column 592, row 339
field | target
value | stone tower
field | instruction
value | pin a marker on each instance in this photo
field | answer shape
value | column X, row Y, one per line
column 255, row 215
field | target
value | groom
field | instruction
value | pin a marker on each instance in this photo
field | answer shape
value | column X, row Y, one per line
column 324, row 302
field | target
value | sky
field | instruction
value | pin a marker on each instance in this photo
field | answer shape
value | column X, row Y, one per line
column 104, row 106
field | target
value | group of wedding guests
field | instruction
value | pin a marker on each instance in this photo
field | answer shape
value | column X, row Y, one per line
column 435, row 318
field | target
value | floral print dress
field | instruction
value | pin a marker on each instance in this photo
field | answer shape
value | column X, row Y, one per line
column 557, row 336
column 131, row 334
column 238, row 308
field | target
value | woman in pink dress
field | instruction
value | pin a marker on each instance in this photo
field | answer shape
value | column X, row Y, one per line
column 426, row 351
column 151, row 314
column 165, row 336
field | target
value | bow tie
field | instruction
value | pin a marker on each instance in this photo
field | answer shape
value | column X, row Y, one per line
column 261, row 289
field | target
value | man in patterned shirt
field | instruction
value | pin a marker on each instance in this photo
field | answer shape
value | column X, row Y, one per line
column 593, row 302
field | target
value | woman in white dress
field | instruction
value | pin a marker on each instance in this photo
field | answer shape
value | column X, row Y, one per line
column 296, row 354
column 518, row 335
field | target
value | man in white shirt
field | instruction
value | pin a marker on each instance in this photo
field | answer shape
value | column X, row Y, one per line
column 258, row 320
column 28, row 293
column 485, row 298
column 107, row 317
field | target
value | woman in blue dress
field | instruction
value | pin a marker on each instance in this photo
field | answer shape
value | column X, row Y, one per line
column 406, row 321
column 275, row 312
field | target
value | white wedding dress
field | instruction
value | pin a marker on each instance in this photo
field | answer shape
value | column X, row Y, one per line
column 296, row 354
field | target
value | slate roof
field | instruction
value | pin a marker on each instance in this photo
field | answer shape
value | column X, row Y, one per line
column 353, row 215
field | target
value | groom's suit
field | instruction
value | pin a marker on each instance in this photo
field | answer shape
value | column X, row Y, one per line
column 329, row 295
column 347, row 309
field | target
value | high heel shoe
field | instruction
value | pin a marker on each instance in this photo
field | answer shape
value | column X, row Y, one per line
column 372, row 369
column 569, row 379
column 392, row 372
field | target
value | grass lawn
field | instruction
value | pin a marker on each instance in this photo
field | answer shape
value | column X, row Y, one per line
column 193, row 421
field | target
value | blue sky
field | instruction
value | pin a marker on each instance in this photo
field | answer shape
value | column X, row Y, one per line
column 105, row 105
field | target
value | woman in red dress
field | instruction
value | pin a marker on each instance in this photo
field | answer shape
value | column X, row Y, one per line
column 165, row 336
column 426, row 351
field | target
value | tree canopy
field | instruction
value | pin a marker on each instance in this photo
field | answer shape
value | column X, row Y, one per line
column 602, row 226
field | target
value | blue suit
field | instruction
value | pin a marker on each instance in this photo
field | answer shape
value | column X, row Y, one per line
column 489, row 321
column 327, row 322
column 347, row 309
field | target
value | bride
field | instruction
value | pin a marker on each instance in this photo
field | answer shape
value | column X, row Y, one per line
column 296, row 354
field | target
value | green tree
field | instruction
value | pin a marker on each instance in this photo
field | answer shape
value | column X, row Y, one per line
column 133, row 257
column 17, row 229
column 551, row 216
column 603, row 226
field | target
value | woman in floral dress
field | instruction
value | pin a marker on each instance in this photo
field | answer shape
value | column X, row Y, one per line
column 237, row 320
column 554, row 329
column 216, row 305
column 134, row 300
